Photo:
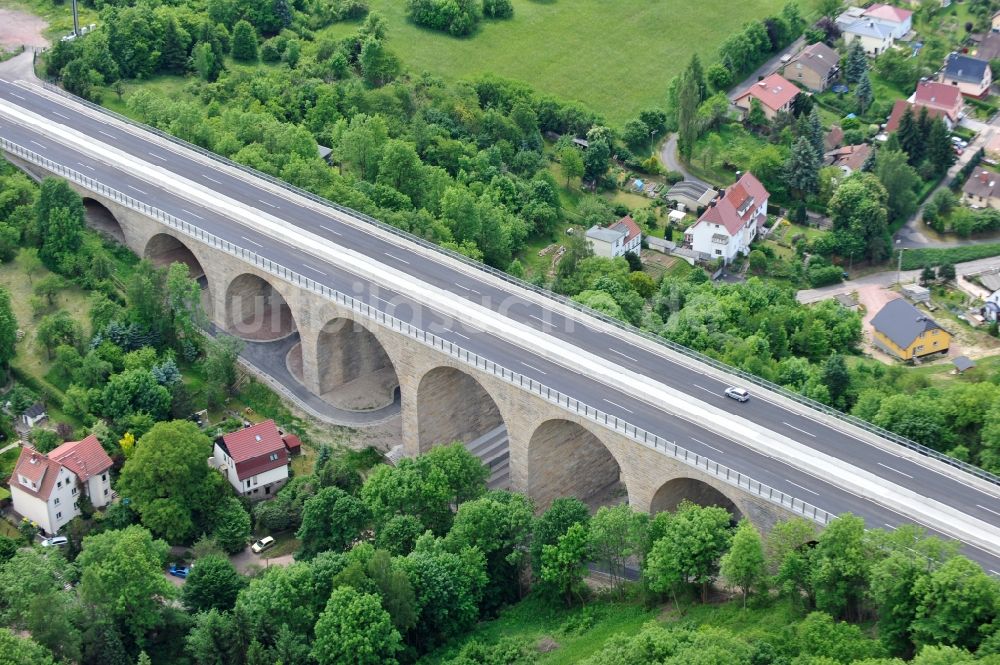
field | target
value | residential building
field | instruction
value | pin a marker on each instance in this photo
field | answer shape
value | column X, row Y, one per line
column 729, row 225
column 996, row 22
column 982, row 190
column 849, row 158
column 899, row 20
column 988, row 47
column 34, row 414
column 991, row 308
column 814, row 67
column 903, row 331
column 875, row 36
column 971, row 76
column 692, row 195
column 47, row 488
column 939, row 97
column 992, row 149
column 619, row 239
column 775, row 94
column 254, row 459
column 899, row 108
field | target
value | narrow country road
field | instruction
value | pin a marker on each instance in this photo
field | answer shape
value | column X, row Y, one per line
column 770, row 66
column 671, row 160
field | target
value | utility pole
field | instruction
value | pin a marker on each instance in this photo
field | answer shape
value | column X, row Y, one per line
column 899, row 268
column 76, row 20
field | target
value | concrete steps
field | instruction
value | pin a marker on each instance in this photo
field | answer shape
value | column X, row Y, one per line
column 493, row 450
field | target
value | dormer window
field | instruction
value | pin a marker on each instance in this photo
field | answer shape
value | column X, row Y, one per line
column 273, row 457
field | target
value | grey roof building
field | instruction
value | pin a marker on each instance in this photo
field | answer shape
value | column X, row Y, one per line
column 964, row 68
column 903, row 323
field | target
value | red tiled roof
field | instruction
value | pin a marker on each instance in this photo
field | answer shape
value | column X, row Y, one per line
column 899, row 108
column 629, row 226
column 38, row 469
column 936, row 95
column 851, row 156
column 85, row 458
column 726, row 210
column 292, row 442
column 888, row 12
column 774, row 92
column 251, row 449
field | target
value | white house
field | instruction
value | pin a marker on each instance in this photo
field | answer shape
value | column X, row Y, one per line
column 875, row 37
column 34, row 414
column 47, row 488
column 991, row 308
column 899, row 20
column 731, row 223
column 619, row 239
column 254, row 460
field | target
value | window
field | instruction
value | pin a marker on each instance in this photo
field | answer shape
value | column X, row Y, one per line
column 273, row 457
column 718, row 252
column 105, row 491
column 59, row 484
column 56, row 502
column 58, row 516
column 104, row 476
column 248, row 482
column 73, row 492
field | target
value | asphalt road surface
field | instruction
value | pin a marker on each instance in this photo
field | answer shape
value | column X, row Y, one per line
column 774, row 472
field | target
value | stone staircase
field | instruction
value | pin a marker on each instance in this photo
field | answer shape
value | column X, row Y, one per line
column 492, row 449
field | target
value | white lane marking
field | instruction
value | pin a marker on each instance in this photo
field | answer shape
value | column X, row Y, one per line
column 799, row 429
column 315, row 269
column 327, row 228
column 14, row 94
column 544, row 322
column 472, row 291
column 710, row 392
column 208, row 177
column 266, row 203
column 65, row 117
column 455, row 332
column 193, row 214
column 252, row 242
column 886, row 466
column 618, row 405
column 137, row 189
column 112, row 136
column 889, row 526
column 623, row 355
column 153, row 154
column 994, row 572
column 43, row 147
column 396, row 258
column 533, row 367
column 805, row 489
column 989, row 510
column 707, row 445
column 86, row 166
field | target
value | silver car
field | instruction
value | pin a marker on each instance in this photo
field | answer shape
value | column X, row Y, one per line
column 738, row 394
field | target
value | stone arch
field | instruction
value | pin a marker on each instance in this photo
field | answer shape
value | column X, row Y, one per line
column 163, row 249
column 566, row 459
column 674, row 491
column 102, row 220
column 354, row 371
column 453, row 406
column 255, row 310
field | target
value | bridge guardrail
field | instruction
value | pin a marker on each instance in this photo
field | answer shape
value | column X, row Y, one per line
column 683, row 350
column 669, row 448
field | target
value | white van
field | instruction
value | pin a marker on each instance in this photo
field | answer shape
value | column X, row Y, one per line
column 264, row 543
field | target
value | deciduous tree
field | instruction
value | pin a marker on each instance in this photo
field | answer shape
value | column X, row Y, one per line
column 743, row 565
column 355, row 629
column 212, row 584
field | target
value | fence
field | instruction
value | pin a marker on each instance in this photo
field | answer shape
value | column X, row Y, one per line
column 673, row 346
column 644, row 437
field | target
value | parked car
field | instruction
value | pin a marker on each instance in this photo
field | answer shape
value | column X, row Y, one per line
column 738, row 394
column 56, row 541
column 178, row 570
column 262, row 544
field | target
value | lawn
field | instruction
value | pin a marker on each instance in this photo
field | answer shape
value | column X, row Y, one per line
column 614, row 57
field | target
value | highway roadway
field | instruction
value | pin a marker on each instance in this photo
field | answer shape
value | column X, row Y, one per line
column 487, row 291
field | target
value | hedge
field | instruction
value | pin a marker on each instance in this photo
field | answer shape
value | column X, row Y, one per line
column 915, row 259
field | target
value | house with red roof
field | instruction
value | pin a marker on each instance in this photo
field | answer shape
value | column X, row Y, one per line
column 619, row 239
column 899, row 108
column 46, row 489
column 939, row 97
column 775, row 94
column 254, row 459
column 731, row 222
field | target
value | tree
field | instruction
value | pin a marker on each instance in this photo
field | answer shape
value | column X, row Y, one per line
column 719, row 77
column 355, row 629
column 232, row 525
column 220, row 362
column 911, row 139
column 15, row 650
column 616, row 534
column 802, row 168
column 860, row 217
column 331, row 520
column 598, row 155
column 691, row 544
column 946, row 272
column 59, row 222
column 900, row 182
column 571, row 163
column 955, row 601
column 168, row 482
column 8, row 330
column 743, row 565
column 940, row 151
column 379, row 65
column 836, row 377
column 122, row 573
column 864, row 94
column 244, row 46
column 564, row 565
column 814, row 131
column 213, row 637
column 856, row 63
column 205, row 62
column 841, row 566
column 688, row 100
column 57, row 329
column 395, row 588
column 498, row 525
column 362, row 142
column 399, row 534
column 927, row 275
column 134, row 391
column 212, row 584
column 174, row 48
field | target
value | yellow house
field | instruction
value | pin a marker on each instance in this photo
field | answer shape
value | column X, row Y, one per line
column 902, row 330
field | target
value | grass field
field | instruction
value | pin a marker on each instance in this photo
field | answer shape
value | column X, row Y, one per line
column 615, row 57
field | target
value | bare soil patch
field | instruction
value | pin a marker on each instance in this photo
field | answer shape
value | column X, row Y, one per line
column 19, row 28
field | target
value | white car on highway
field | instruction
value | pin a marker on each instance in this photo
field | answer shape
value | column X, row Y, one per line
column 738, row 394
